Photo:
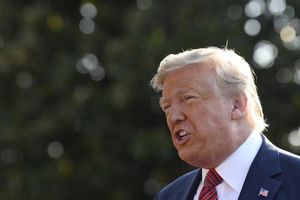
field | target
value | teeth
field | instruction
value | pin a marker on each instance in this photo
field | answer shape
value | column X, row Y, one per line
column 182, row 133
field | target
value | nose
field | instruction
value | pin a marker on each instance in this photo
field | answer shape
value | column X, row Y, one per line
column 175, row 115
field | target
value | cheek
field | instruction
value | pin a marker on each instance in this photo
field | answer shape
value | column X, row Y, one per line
column 198, row 117
column 169, row 123
column 209, row 127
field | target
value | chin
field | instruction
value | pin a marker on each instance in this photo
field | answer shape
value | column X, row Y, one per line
column 188, row 158
column 194, row 160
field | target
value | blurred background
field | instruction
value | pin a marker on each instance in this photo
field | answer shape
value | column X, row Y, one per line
column 78, row 119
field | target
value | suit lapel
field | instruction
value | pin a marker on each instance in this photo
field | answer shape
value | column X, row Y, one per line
column 259, row 183
column 192, row 188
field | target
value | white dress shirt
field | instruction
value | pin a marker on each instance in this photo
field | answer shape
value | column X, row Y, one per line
column 234, row 169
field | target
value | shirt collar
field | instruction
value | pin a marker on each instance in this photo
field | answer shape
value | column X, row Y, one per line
column 235, row 168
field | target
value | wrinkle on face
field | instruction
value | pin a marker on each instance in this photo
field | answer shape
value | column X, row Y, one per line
column 205, row 116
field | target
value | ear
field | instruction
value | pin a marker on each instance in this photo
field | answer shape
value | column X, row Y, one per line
column 240, row 102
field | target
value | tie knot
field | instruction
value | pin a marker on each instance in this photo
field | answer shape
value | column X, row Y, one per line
column 212, row 179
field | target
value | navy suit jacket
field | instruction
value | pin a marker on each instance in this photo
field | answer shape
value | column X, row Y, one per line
column 273, row 169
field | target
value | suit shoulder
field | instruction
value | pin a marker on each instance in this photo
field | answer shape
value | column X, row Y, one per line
column 184, row 179
column 289, row 158
column 179, row 186
column 286, row 157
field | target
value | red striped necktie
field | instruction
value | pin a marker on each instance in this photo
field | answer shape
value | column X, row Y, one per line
column 209, row 191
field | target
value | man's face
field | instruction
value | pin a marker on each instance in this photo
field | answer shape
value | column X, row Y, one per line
column 198, row 117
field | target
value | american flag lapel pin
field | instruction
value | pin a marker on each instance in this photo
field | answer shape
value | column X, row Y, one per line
column 263, row 192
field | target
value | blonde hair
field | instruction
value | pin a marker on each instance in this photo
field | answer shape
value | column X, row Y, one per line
column 234, row 74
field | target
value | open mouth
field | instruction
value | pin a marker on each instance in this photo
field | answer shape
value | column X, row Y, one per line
column 182, row 136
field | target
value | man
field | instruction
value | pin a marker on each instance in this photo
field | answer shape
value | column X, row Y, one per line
column 216, row 122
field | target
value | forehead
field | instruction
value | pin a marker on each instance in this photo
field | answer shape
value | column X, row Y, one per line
column 194, row 77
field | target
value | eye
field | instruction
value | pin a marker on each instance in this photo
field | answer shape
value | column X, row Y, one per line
column 188, row 98
column 165, row 108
